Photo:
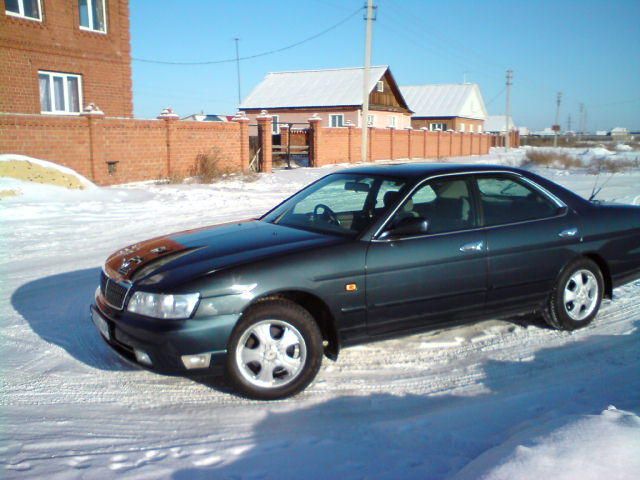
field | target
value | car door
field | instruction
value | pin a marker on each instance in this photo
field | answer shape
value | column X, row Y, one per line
column 418, row 280
column 531, row 235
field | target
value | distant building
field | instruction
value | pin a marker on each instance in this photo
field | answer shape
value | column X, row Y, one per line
column 498, row 124
column 620, row 133
column 202, row 117
column 334, row 94
column 58, row 56
column 458, row 107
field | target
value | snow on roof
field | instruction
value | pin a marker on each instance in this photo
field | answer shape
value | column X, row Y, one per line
column 498, row 123
column 312, row 88
column 445, row 100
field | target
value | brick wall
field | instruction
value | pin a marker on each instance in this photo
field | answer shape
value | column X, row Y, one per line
column 58, row 44
column 340, row 145
column 143, row 149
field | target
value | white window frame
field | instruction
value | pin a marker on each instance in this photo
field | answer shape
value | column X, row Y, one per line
column 20, row 13
column 90, row 14
column 380, row 86
column 438, row 127
column 275, row 125
column 461, row 129
column 471, row 129
column 479, row 128
column 371, row 120
column 337, row 116
column 392, row 121
column 65, row 91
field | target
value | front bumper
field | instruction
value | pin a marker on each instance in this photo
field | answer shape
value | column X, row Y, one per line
column 165, row 341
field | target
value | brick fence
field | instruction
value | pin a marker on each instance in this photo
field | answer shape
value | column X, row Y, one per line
column 344, row 145
column 119, row 150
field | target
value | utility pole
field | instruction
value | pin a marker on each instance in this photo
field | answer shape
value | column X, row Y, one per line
column 507, row 138
column 581, row 120
column 569, row 123
column 238, row 71
column 364, row 121
column 556, row 126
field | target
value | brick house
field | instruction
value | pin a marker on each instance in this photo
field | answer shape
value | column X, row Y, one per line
column 334, row 94
column 58, row 55
column 457, row 107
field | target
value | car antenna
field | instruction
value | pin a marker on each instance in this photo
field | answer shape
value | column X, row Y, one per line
column 595, row 185
column 595, row 192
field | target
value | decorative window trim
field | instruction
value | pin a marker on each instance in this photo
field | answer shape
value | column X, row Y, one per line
column 340, row 117
column 380, row 86
column 20, row 13
column 90, row 18
column 65, row 91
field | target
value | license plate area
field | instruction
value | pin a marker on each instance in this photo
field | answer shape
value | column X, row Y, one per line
column 101, row 324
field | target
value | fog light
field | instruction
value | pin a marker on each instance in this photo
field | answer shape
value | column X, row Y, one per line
column 196, row 361
column 142, row 357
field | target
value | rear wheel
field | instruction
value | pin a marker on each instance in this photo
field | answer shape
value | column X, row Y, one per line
column 275, row 351
column 576, row 298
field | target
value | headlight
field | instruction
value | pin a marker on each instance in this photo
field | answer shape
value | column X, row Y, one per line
column 163, row 306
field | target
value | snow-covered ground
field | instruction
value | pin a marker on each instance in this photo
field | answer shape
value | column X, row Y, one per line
column 498, row 399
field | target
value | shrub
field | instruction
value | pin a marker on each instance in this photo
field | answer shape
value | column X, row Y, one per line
column 551, row 159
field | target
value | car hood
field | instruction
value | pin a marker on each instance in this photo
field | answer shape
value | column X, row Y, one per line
column 190, row 254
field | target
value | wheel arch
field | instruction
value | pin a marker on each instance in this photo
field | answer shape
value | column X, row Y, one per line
column 318, row 309
column 606, row 272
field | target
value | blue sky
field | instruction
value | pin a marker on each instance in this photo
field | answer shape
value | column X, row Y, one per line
column 588, row 49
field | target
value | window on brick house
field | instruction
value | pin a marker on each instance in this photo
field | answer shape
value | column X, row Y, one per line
column 93, row 15
column 371, row 120
column 438, row 127
column 60, row 93
column 275, row 124
column 30, row 9
column 336, row 120
column 392, row 122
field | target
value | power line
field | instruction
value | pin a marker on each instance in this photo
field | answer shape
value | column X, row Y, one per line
column 257, row 55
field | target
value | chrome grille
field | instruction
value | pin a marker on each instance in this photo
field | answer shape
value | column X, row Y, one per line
column 115, row 293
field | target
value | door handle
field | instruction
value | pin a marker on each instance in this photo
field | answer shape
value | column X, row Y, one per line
column 472, row 247
column 568, row 233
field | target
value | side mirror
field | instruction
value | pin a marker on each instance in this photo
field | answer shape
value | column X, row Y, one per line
column 407, row 228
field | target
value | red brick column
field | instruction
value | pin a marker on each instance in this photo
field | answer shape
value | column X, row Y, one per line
column 265, row 132
column 372, row 132
column 392, row 134
column 243, row 122
column 351, row 143
column 438, row 139
column 408, row 132
column 315, row 133
column 94, row 118
column 170, row 118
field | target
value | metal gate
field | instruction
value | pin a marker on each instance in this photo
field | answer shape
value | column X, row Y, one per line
column 290, row 147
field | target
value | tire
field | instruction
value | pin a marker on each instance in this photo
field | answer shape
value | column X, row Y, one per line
column 575, row 300
column 275, row 351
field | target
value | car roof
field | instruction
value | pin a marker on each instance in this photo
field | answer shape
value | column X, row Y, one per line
column 420, row 170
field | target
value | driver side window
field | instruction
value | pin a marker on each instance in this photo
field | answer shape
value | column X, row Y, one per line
column 445, row 203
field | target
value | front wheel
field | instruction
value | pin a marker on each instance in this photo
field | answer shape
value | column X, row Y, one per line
column 576, row 298
column 275, row 351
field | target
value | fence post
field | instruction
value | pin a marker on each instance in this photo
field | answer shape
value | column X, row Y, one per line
column 93, row 115
column 170, row 118
column 351, row 144
column 243, row 123
column 314, row 140
column 391, row 141
column 265, row 140
column 285, row 142
column 408, row 132
column 372, row 132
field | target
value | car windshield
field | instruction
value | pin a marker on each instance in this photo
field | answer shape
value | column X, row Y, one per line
column 341, row 203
